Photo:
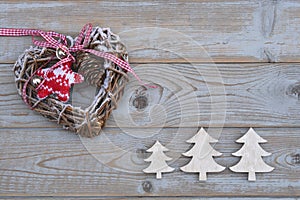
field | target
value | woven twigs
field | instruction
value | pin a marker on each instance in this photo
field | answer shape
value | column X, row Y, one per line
column 109, row 79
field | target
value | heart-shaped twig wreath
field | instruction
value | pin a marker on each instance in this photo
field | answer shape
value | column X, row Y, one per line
column 45, row 73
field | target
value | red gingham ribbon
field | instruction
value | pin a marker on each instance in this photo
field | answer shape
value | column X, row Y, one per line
column 57, row 40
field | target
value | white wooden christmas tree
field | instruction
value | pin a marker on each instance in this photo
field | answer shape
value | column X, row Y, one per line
column 158, row 160
column 251, row 155
column 202, row 155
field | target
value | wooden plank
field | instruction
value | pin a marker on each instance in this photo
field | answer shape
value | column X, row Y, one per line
column 229, row 31
column 47, row 162
column 149, row 198
column 230, row 95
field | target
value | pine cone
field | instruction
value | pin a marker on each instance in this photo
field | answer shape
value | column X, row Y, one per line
column 91, row 68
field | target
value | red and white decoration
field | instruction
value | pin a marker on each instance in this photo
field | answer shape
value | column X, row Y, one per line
column 58, row 41
column 57, row 81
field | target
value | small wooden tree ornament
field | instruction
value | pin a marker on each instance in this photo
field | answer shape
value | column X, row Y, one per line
column 251, row 155
column 202, row 155
column 158, row 160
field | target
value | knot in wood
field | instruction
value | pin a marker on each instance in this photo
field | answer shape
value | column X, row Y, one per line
column 140, row 102
column 147, row 186
column 294, row 90
column 296, row 158
column 141, row 153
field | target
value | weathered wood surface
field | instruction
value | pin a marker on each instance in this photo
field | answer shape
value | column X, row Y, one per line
column 230, row 31
column 51, row 162
column 230, row 95
column 150, row 198
column 38, row 159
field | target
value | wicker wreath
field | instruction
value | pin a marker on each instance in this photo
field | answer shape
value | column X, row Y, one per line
column 109, row 79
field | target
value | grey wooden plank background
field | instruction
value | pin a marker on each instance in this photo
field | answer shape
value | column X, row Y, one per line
column 51, row 162
column 217, row 64
column 254, row 95
column 230, row 31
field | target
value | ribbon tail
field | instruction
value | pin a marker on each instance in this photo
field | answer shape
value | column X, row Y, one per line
column 11, row 32
column 121, row 63
column 141, row 82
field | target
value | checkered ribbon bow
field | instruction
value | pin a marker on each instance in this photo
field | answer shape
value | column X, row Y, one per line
column 57, row 40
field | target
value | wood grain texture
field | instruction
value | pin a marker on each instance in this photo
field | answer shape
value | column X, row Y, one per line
column 173, row 44
column 149, row 198
column 230, row 95
column 229, row 31
column 47, row 162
